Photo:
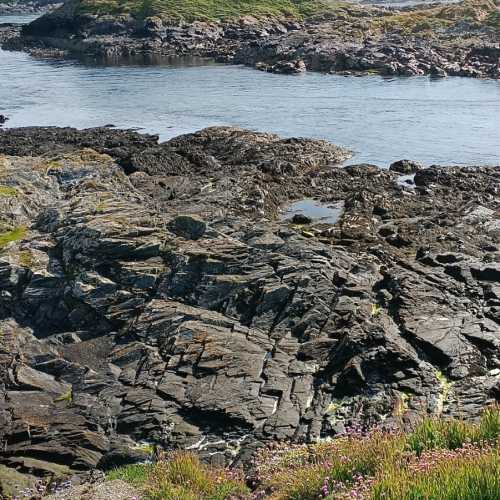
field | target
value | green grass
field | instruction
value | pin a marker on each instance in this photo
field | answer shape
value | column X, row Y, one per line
column 7, row 192
column 209, row 10
column 15, row 234
column 378, row 463
column 300, row 473
column 423, row 21
column 434, row 433
column 464, row 477
column 67, row 397
column 182, row 477
column 493, row 19
column 440, row 460
column 136, row 474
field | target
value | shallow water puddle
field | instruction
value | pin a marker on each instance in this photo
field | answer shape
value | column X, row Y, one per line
column 328, row 213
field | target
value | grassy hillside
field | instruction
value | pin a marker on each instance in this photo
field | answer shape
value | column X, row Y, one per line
column 190, row 10
column 476, row 12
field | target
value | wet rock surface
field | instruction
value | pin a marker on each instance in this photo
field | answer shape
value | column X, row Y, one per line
column 350, row 40
column 150, row 295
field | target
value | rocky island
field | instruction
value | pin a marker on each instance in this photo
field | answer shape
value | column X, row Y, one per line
column 160, row 296
column 285, row 37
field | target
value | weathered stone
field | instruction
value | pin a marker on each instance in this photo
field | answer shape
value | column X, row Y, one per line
column 406, row 166
column 189, row 227
column 126, row 325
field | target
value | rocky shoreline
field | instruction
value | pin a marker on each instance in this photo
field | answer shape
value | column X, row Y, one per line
column 151, row 295
column 438, row 41
column 36, row 7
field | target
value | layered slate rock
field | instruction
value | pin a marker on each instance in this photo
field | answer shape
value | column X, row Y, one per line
column 150, row 295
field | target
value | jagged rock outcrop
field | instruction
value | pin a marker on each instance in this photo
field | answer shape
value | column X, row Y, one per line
column 151, row 295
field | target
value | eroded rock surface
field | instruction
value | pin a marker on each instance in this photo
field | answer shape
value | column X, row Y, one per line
column 150, row 295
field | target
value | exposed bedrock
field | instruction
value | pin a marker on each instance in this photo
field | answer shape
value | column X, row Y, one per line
column 151, row 295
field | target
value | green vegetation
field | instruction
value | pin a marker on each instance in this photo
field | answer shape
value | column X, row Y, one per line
column 305, row 472
column 411, row 22
column 440, row 460
column 136, row 474
column 453, row 434
column 429, row 19
column 26, row 259
column 473, row 474
column 445, row 385
column 67, row 397
column 493, row 19
column 15, row 234
column 182, row 477
column 7, row 192
column 209, row 10
column 419, row 20
column 147, row 448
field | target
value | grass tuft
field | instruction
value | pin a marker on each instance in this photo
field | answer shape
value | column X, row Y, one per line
column 182, row 477
column 26, row 259
column 15, row 234
column 67, row 397
column 471, row 474
column 434, row 433
column 136, row 474
column 8, row 192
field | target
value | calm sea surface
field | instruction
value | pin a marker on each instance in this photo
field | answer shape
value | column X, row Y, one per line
column 447, row 121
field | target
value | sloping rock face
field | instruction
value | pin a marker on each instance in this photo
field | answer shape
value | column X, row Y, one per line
column 150, row 295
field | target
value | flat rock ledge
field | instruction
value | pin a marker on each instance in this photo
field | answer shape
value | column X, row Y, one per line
column 152, row 296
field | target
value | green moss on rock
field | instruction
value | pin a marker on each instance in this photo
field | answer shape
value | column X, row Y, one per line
column 7, row 192
column 15, row 234
column 26, row 259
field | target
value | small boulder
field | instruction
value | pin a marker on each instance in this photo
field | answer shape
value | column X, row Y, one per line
column 438, row 72
column 406, row 166
column 301, row 219
column 188, row 226
column 289, row 67
column 28, row 378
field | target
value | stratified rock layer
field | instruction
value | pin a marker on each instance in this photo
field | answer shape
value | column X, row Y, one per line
column 150, row 295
